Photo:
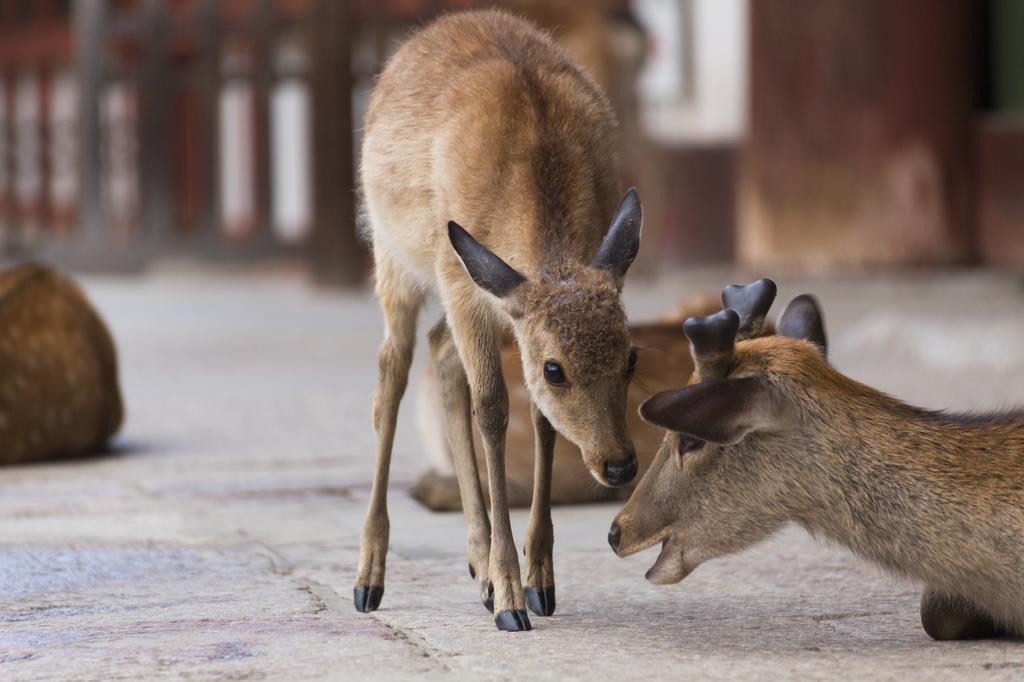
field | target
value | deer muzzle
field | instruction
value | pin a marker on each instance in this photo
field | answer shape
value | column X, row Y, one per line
column 625, row 541
column 618, row 472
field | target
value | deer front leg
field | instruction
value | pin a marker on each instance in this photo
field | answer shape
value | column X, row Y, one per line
column 950, row 617
column 540, row 534
column 477, row 334
column 458, row 428
column 490, row 401
column 400, row 305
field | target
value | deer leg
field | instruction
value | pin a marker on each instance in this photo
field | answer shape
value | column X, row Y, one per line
column 491, row 406
column 458, row 428
column 947, row 616
column 400, row 304
column 477, row 336
column 540, row 534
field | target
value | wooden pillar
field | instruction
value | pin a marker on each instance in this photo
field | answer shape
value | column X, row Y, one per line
column 209, row 120
column 44, row 72
column 335, row 253
column 90, row 18
column 262, row 65
column 9, row 236
column 860, row 147
column 156, row 203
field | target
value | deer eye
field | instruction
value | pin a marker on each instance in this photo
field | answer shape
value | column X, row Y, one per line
column 553, row 374
column 634, row 357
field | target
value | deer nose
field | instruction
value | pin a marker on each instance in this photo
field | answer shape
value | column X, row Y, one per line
column 614, row 535
column 620, row 471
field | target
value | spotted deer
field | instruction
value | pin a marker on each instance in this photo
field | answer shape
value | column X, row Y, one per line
column 59, row 393
column 481, row 121
column 768, row 432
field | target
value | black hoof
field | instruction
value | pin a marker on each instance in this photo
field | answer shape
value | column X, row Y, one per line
column 489, row 601
column 512, row 621
column 541, row 600
column 367, row 598
column 472, row 573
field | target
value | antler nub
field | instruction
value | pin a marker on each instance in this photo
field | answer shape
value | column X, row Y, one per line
column 752, row 302
column 712, row 340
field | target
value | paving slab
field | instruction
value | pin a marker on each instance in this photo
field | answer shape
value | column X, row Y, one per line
column 218, row 539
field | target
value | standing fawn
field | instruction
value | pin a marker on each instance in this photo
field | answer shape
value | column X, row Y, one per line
column 480, row 120
column 664, row 356
column 768, row 432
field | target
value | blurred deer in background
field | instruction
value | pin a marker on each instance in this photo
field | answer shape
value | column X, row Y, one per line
column 59, row 395
column 480, row 120
column 664, row 356
column 768, row 432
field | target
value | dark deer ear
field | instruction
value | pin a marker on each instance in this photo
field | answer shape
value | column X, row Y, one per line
column 721, row 411
column 752, row 302
column 486, row 269
column 802, row 319
column 622, row 242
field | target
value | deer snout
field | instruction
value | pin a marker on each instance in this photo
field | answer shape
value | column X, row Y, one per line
column 620, row 471
column 614, row 535
column 633, row 531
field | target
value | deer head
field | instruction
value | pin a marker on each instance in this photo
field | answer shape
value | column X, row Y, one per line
column 723, row 478
column 571, row 330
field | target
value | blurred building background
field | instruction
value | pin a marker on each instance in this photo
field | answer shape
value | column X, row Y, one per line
column 817, row 135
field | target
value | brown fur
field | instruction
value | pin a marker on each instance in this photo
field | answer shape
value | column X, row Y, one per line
column 664, row 356
column 934, row 497
column 59, row 395
column 481, row 120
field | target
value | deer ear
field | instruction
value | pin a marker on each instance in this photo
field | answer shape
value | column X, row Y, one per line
column 622, row 242
column 486, row 269
column 721, row 411
column 802, row 319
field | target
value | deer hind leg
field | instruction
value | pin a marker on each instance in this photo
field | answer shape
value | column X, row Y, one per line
column 458, row 428
column 947, row 616
column 540, row 534
column 400, row 301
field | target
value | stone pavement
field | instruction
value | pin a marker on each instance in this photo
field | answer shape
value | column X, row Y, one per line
column 218, row 540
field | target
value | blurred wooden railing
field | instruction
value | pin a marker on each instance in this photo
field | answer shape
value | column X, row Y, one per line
column 133, row 129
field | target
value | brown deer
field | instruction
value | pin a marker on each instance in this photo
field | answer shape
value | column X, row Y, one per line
column 768, row 432
column 480, row 120
column 664, row 356
column 59, row 394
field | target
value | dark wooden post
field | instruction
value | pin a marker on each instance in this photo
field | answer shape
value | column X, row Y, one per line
column 860, row 149
column 335, row 253
column 209, row 120
column 262, row 65
column 90, row 18
column 154, row 124
column 8, row 221
column 44, row 72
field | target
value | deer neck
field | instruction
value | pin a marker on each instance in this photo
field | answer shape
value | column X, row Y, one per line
column 904, row 487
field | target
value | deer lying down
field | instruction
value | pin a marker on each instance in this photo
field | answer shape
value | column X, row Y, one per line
column 767, row 432
column 664, row 355
column 59, row 395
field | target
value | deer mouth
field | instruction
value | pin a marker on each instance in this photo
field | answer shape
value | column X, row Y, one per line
column 671, row 565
